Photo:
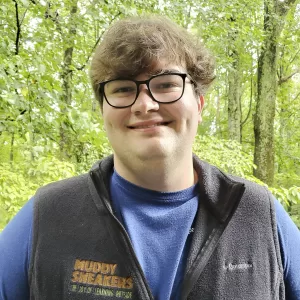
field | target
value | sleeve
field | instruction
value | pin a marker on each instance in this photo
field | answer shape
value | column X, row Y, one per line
column 289, row 239
column 15, row 248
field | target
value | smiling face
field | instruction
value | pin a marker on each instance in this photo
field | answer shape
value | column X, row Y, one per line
column 151, row 132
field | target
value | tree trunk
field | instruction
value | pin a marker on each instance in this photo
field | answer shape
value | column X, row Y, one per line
column 265, row 113
column 275, row 13
column 65, row 136
column 234, row 84
column 234, row 99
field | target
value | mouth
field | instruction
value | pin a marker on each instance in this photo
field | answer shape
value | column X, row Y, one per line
column 150, row 125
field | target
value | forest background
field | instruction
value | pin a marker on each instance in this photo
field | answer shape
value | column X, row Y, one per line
column 51, row 126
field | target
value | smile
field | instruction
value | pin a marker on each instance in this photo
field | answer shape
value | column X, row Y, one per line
column 148, row 126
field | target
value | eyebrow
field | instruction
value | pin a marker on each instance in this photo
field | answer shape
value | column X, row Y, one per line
column 150, row 74
column 163, row 71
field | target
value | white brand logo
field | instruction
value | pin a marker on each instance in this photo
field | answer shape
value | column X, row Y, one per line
column 233, row 267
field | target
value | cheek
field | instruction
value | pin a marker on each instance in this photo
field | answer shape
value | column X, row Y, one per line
column 114, row 119
column 105, row 121
column 188, row 112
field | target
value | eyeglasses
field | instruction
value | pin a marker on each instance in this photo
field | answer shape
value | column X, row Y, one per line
column 163, row 88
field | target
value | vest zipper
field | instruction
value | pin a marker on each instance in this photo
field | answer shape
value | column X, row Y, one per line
column 205, row 253
column 97, row 183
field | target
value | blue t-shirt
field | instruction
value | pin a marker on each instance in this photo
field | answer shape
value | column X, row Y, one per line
column 16, row 238
column 158, row 225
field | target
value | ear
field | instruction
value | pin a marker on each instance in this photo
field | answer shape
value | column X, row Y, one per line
column 200, row 108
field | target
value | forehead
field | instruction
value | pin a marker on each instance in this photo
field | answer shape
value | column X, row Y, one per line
column 164, row 68
column 157, row 67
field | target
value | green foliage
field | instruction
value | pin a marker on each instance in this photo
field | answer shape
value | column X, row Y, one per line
column 295, row 213
column 227, row 155
column 290, row 199
column 15, row 190
column 20, row 183
column 230, row 157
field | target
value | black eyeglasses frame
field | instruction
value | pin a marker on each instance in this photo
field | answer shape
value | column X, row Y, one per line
column 139, row 82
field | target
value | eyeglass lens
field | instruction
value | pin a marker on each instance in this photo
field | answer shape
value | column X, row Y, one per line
column 164, row 88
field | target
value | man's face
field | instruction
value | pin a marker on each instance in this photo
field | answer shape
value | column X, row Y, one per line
column 151, row 131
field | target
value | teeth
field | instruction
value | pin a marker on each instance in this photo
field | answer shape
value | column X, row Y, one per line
column 150, row 126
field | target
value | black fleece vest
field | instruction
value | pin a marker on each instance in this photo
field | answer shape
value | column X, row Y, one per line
column 81, row 251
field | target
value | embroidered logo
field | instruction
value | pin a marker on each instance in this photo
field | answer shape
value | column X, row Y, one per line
column 234, row 267
column 99, row 278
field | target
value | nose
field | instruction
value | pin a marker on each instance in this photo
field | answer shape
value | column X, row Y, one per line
column 144, row 103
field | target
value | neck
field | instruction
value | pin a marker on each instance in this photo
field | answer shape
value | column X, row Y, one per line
column 164, row 176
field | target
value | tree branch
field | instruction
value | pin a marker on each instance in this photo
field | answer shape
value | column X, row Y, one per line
column 285, row 79
column 95, row 45
column 296, row 97
column 88, row 58
column 284, row 6
column 248, row 114
column 23, row 16
column 53, row 17
column 17, row 43
column 296, row 55
column 289, row 2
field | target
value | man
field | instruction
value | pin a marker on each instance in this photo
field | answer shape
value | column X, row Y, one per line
column 152, row 221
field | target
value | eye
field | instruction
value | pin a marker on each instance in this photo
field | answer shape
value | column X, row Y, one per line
column 166, row 85
column 124, row 89
column 120, row 88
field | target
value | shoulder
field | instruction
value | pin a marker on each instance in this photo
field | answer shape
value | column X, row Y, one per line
column 15, row 252
column 64, row 186
column 79, row 184
column 258, row 203
column 57, row 200
column 289, row 238
column 254, row 191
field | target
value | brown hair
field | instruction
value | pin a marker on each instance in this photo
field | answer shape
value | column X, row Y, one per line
column 130, row 46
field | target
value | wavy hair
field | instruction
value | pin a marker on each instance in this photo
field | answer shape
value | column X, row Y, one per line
column 131, row 46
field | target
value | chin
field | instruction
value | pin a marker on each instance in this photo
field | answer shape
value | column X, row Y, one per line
column 153, row 155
